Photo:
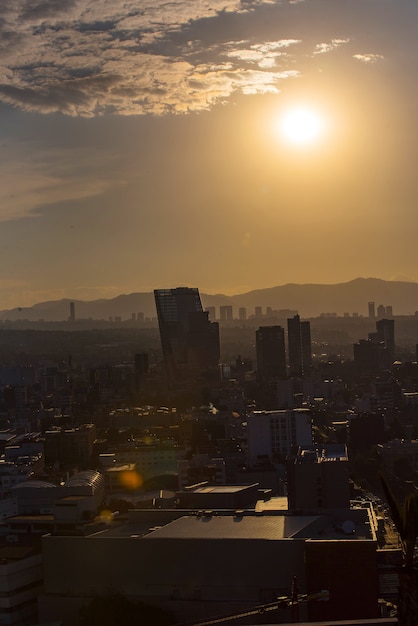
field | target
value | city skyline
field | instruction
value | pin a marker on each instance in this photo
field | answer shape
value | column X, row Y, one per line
column 144, row 148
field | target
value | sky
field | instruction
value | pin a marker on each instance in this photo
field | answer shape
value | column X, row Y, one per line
column 142, row 145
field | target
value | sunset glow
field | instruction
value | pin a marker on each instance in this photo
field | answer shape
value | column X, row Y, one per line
column 301, row 126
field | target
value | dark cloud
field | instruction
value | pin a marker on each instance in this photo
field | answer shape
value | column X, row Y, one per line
column 46, row 9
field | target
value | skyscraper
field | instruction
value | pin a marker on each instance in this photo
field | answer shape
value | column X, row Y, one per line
column 271, row 355
column 372, row 310
column 190, row 342
column 386, row 333
column 225, row 313
column 299, row 342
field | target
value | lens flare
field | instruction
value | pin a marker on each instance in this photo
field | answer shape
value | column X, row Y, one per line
column 130, row 479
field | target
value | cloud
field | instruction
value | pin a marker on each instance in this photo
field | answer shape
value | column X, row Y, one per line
column 91, row 57
column 368, row 58
column 322, row 48
column 30, row 184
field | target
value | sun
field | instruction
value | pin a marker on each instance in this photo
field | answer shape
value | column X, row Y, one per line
column 301, row 126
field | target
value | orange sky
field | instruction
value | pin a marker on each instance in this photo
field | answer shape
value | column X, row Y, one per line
column 141, row 150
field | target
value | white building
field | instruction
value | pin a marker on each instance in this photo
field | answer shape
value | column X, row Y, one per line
column 273, row 433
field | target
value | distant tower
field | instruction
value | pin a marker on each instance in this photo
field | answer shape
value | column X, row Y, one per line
column 212, row 312
column 271, row 355
column 258, row 311
column 225, row 313
column 72, row 312
column 242, row 313
column 372, row 311
column 381, row 311
column 299, row 342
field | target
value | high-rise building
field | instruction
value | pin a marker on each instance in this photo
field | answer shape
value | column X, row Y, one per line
column 258, row 311
column 72, row 312
column 212, row 312
column 385, row 331
column 190, row 342
column 371, row 355
column 271, row 355
column 372, row 311
column 381, row 311
column 299, row 343
column 242, row 313
column 225, row 313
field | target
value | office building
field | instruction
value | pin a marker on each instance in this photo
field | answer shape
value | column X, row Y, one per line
column 370, row 356
column 385, row 330
column 378, row 351
column 372, row 311
column 317, row 478
column 274, row 433
column 381, row 311
column 271, row 355
column 190, row 342
column 299, row 344
column 72, row 312
column 242, row 313
column 225, row 313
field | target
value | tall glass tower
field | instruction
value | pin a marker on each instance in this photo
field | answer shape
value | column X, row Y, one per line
column 190, row 342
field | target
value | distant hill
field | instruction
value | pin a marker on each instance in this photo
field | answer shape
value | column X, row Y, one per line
column 309, row 300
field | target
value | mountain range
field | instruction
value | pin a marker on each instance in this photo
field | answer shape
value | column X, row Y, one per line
column 310, row 300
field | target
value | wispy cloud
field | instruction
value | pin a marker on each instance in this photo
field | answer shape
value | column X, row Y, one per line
column 28, row 183
column 322, row 48
column 368, row 58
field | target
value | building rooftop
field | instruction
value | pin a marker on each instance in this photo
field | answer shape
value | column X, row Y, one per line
column 245, row 525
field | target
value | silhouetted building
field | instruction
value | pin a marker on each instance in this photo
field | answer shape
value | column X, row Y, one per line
column 271, row 355
column 317, row 478
column 378, row 351
column 386, row 332
column 299, row 342
column 190, row 342
column 242, row 313
column 198, row 564
column 72, row 311
column 212, row 312
column 372, row 311
column 370, row 356
column 365, row 431
column 225, row 313
column 381, row 311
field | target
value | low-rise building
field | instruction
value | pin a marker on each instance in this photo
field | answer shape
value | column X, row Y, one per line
column 202, row 564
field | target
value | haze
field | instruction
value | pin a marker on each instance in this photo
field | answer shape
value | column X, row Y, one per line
column 139, row 145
